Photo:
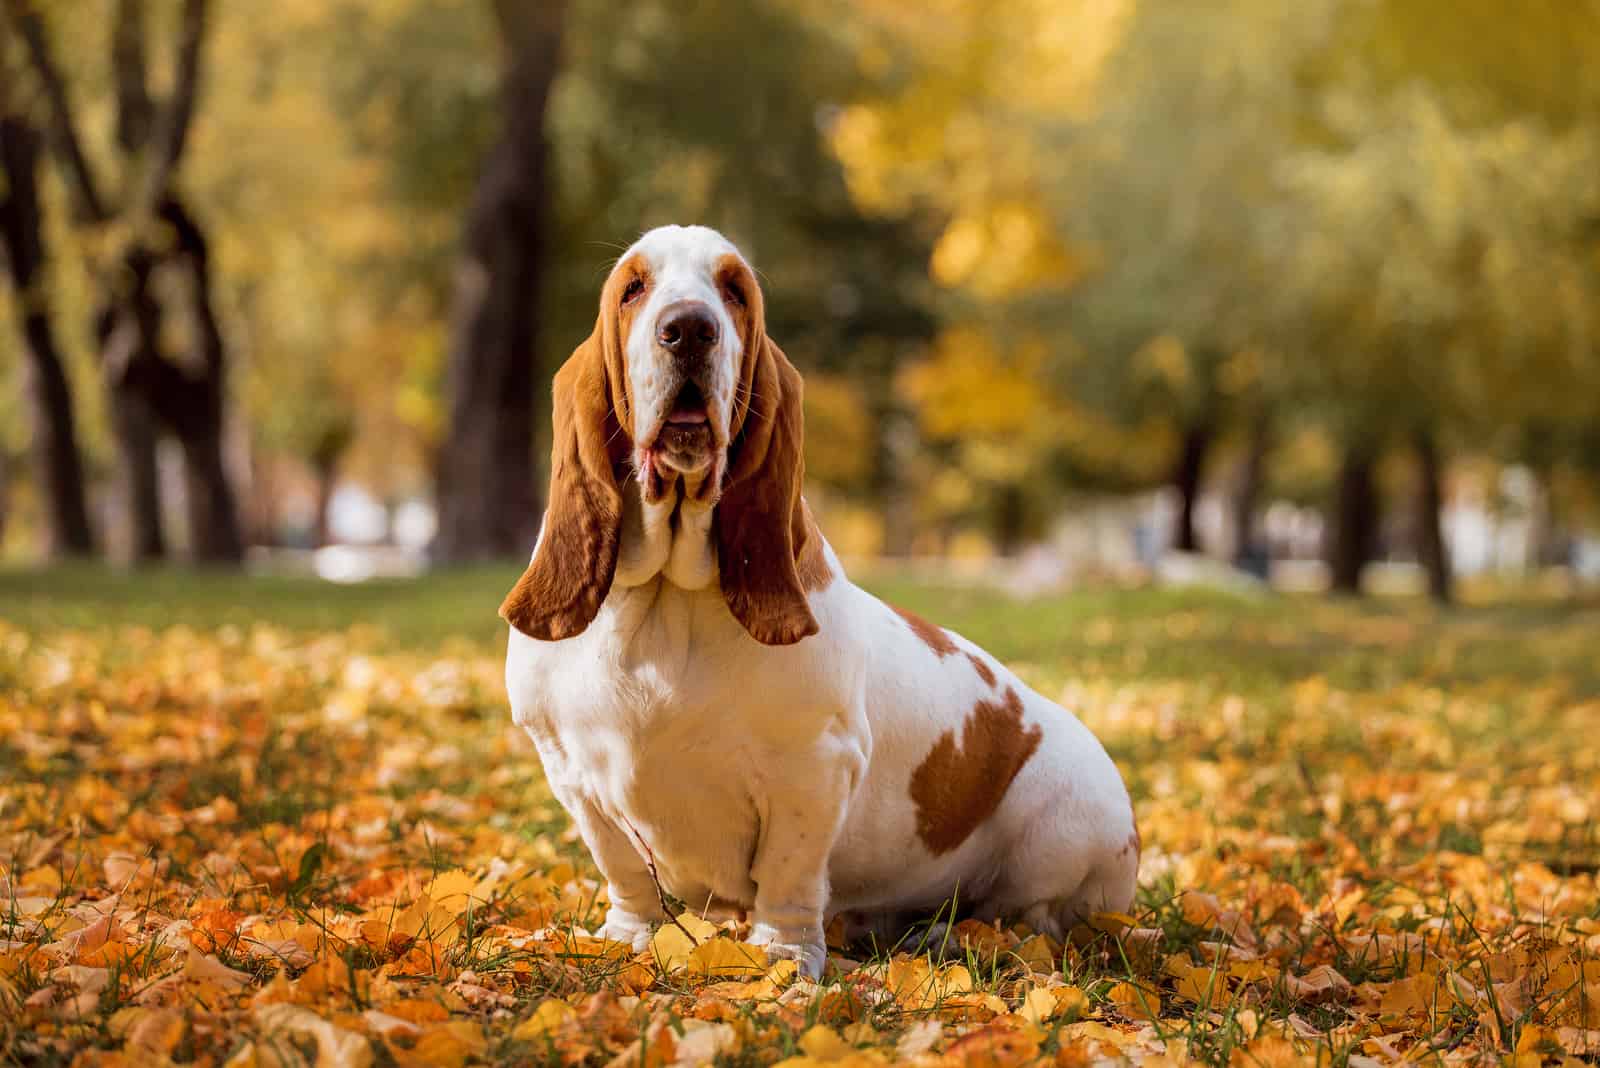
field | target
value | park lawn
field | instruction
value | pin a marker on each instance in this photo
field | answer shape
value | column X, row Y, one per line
column 271, row 822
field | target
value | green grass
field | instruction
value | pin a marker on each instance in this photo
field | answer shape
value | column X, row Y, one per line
column 412, row 614
column 1249, row 645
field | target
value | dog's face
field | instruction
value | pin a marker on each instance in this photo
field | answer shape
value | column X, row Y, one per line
column 684, row 300
column 680, row 388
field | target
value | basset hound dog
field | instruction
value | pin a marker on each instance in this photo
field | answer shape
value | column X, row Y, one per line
column 723, row 714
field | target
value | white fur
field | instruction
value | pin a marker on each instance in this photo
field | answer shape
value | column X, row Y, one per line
column 778, row 777
column 681, row 259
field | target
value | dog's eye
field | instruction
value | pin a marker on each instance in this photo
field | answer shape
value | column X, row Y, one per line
column 631, row 293
column 734, row 293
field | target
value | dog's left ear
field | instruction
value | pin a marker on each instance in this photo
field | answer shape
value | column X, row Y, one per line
column 562, row 589
column 760, row 522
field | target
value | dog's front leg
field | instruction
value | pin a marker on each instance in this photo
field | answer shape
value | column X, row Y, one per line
column 635, row 905
column 799, row 824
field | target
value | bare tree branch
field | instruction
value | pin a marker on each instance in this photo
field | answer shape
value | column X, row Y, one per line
column 63, row 131
column 135, row 110
column 178, row 115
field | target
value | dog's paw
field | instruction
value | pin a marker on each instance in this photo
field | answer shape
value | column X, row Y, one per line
column 623, row 926
column 805, row 948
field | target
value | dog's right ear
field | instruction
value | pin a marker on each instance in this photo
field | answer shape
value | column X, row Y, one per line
column 573, row 564
column 761, row 524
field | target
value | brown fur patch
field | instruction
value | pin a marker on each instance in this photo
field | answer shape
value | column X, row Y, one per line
column 956, row 788
column 932, row 636
column 985, row 672
column 562, row 589
column 759, row 525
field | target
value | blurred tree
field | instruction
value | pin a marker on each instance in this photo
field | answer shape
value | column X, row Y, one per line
column 949, row 132
column 58, row 465
column 643, row 129
column 1167, row 183
column 157, row 266
column 488, row 506
column 649, row 131
column 1438, row 245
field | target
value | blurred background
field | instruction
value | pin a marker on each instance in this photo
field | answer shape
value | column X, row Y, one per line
column 1222, row 292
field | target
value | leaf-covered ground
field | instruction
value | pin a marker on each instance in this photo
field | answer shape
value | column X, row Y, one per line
column 271, row 823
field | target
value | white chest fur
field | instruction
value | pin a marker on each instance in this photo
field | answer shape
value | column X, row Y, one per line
column 666, row 721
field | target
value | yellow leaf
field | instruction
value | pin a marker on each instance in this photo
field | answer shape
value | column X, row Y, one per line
column 724, row 958
column 1112, row 923
column 547, row 1017
column 453, row 891
column 673, row 942
column 1320, row 984
column 1135, row 1002
column 995, row 1046
column 336, row 1047
column 1038, row 1005
column 448, row 1046
column 1071, row 1001
column 824, row 1044
column 1040, row 953
column 1205, row 988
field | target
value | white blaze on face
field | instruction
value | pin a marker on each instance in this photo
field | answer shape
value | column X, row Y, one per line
column 682, row 262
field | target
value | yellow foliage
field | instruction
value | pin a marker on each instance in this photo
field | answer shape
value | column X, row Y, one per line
column 967, row 387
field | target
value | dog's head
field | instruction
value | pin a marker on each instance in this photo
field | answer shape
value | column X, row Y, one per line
column 679, row 388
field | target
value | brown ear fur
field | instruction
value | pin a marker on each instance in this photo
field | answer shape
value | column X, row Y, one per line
column 760, row 520
column 562, row 589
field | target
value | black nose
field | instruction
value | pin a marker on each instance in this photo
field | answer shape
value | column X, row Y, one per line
column 687, row 329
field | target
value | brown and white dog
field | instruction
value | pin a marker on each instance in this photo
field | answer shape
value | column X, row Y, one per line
column 712, row 698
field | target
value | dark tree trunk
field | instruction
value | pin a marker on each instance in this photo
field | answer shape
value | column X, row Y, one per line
column 195, row 409
column 1186, row 476
column 1247, row 548
column 886, row 484
column 127, row 328
column 58, row 466
column 1355, row 532
column 488, row 501
column 326, row 469
column 134, row 425
column 1010, row 521
column 1432, row 550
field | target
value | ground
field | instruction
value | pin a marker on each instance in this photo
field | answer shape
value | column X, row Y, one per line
column 270, row 822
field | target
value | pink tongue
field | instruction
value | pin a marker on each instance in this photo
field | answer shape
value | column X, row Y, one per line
column 687, row 415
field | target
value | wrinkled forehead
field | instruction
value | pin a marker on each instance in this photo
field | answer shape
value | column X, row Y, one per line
column 682, row 255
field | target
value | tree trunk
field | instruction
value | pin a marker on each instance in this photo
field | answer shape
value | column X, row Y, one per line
column 1186, row 480
column 487, row 496
column 208, row 493
column 1355, row 533
column 1010, row 521
column 885, row 481
column 58, row 466
column 1248, row 552
column 134, row 425
column 1432, row 549
column 198, row 420
column 126, row 328
column 326, row 468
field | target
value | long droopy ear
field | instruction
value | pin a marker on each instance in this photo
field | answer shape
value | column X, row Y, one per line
column 573, row 564
column 760, row 520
